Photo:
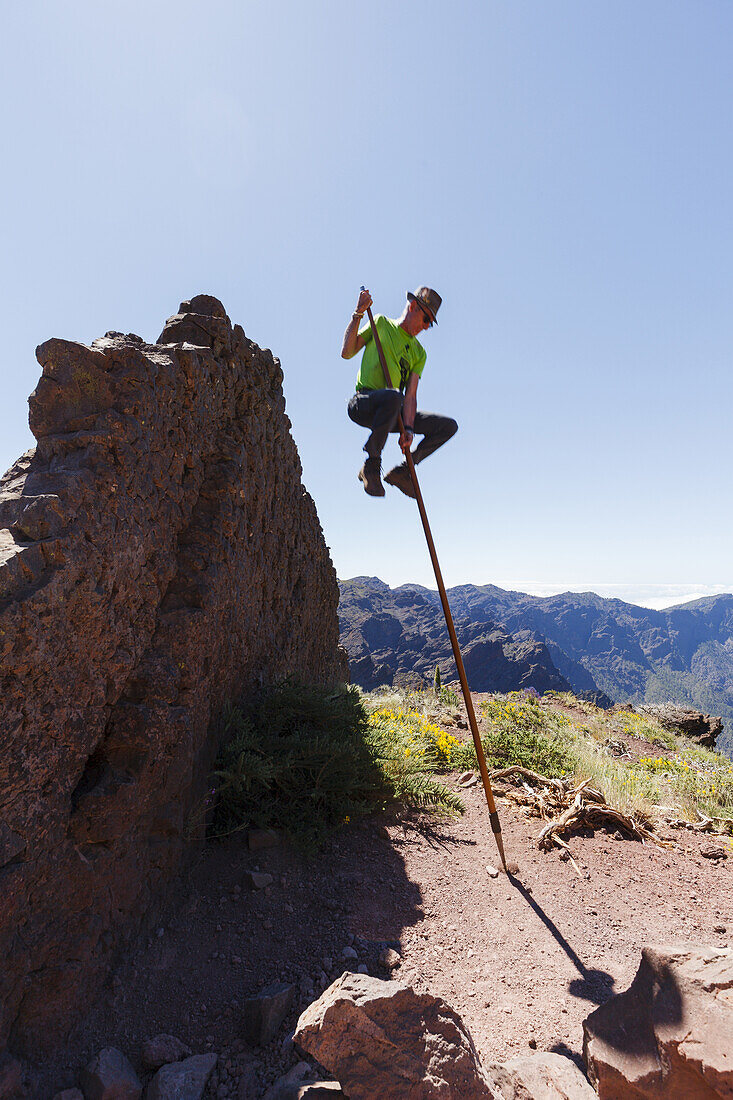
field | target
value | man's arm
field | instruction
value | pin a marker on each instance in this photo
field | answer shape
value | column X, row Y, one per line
column 353, row 342
column 409, row 410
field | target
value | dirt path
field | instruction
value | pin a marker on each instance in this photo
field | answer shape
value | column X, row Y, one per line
column 524, row 960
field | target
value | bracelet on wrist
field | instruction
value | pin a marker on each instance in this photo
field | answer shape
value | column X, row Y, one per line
column 358, row 316
column 409, row 429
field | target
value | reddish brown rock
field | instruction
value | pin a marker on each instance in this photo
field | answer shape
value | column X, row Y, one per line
column 384, row 1039
column 534, row 1076
column 703, row 728
column 670, row 1035
column 159, row 556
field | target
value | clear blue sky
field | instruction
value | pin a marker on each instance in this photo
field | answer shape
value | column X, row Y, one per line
column 560, row 172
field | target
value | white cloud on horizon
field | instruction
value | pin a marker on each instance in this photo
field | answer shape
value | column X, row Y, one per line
column 655, row 596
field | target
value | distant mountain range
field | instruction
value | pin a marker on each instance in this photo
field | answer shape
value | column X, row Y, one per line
column 602, row 648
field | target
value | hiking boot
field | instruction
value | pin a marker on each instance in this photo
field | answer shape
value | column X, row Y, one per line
column 369, row 475
column 400, row 478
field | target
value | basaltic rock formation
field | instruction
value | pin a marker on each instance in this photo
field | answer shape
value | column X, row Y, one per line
column 159, row 556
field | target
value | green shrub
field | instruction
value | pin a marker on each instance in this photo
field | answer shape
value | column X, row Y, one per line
column 306, row 760
column 519, row 730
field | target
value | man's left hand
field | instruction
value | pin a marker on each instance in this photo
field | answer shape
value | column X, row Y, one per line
column 406, row 438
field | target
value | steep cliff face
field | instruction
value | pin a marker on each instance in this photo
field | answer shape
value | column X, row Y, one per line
column 158, row 557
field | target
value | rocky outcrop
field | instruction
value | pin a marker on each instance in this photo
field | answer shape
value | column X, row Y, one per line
column 159, row 556
column 670, row 1035
column 394, row 636
column 384, row 1039
column 703, row 728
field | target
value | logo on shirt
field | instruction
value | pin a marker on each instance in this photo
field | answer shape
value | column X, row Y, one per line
column 404, row 373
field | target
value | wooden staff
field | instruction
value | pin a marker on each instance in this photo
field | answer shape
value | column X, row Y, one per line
column 493, row 815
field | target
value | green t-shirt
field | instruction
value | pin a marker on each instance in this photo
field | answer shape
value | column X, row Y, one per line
column 405, row 355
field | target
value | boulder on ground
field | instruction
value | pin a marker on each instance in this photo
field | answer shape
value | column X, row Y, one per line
column 534, row 1076
column 109, row 1076
column 263, row 1014
column 161, row 1050
column 670, row 1035
column 301, row 1082
column 384, row 1039
column 703, row 728
column 184, row 1080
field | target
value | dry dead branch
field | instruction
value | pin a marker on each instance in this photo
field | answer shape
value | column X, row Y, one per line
column 571, row 808
column 704, row 825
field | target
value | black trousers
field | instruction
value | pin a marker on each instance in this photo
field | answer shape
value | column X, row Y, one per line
column 379, row 409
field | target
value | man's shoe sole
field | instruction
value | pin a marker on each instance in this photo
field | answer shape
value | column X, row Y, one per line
column 405, row 486
column 372, row 493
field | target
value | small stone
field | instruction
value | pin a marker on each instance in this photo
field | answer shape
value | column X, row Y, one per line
column 327, row 962
column 492, row 872
column 258, row 880
column 162, row 1050
column 160, row 933
column 257, row 839
column 110, row 1076
column 362, row 968
column 467, row 779
column 713, row 850
column 349, row 953
column 389, row 958
column 720, row 928
column 289, row 1085
column 532, row 1042
column 69, row 1094
column 512, row 868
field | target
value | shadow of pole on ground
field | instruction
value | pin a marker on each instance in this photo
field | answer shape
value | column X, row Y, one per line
column 592, row 985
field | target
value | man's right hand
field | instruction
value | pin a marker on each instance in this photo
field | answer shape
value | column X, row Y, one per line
column 365, row 301
column 353, row 342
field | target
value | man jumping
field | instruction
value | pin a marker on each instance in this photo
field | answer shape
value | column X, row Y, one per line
column 377, row 408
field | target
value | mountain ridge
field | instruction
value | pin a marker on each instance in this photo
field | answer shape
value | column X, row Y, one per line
column 599, row 645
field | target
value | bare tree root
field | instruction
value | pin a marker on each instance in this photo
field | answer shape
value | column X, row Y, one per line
column 718, row 825
column 572, row 808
